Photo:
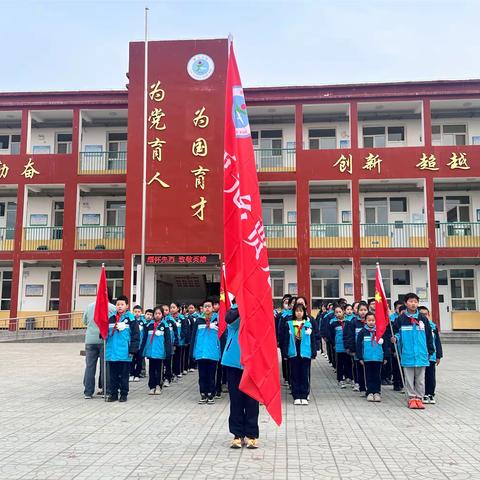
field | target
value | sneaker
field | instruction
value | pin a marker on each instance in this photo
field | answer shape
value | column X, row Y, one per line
column 185, row 372
column 152, row 391
column 370, row 397
column 236, row 443
column 218, row 395
column 432, row 400
column 426, row 399
column 158, row 390
column 224, row 388
column 420, row 404
column 87, row 397
column 356, row 387
column 191, row 370
column 304, row 401
column 136, row 379
column 377, row 397
column 308, row 397
column 130, row 379
column 342, row 384
column 179, row 375
column 203, row 399
column 251, row 443
column 384, row 382
column 112, row 398
column 210, row 400
column 412, row 403
column 397, row 389
column 297, row 401
column 166, row 383
column 100, row 392
column 123, row 398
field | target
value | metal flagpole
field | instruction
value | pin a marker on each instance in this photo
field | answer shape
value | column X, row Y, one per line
column 105, row 360
column 141, row 297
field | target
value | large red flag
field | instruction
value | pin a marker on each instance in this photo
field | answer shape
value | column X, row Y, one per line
column 245, row 248
column 381, row 306
column 224, row 304
column 101, row 305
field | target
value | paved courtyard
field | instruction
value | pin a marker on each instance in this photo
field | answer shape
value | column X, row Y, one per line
column 48, row 431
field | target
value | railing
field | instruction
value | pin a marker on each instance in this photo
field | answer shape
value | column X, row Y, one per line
column 102, row 163
column 393, row 235
column 7, row 237
column 331, row 235
column 105, row 237
column 458, row 234
column 275, row 159
column 42, row 238
column 281, row 236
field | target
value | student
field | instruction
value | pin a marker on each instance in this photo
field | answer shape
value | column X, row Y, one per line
column 137, row 360
column 280, row 320
column 172, row 326
column 371, row 305
column 123, row 341
column 182, row 325
column 299, row 347
column 191, row 316
column 396, row 374
column 343, row 361
column 157, row 347
column 243, row 419
column 318, row 319
column 349, row 313
column 316, row 329
column 414, row 337
column 434, row 360
column 372, row 355
column 206, row 351
column 325, row 328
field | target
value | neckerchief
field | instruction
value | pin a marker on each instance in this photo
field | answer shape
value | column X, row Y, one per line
column 117, row 318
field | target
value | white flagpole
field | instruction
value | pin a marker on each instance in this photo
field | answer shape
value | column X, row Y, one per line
column 141, row 296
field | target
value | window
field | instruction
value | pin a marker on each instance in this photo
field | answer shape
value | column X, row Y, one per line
column 54, row 290
column 10, row 143
column 462, row 287
column 63, row 143
column 254, row 138
column 381, row 136
column 449, row 134
column 458, row 209
column 323, row 211
column 398, row 204
column 322, row 138
column 6, row 290
column 371, row 282
column 272, row 212
column 439, row 204
column 401, row 277
column 442, row 277
column 278, row 286
column 15, row 145
column 4, row 142
column 325, row 285
column 115, row 282
column 115, row 213
column 396, row 134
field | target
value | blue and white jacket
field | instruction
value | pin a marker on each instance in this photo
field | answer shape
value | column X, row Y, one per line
column 157, row 343
column 183, row 329
column 336, row 329
column 368, row 349
column 436, row 342
column 350, row 334
column 231, row 354
column 205, row 341
column 305, row 346
column 142, row 323
column 123, row 338
column 172, row 326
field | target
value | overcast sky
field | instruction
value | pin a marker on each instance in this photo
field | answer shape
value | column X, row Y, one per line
column 83, row 44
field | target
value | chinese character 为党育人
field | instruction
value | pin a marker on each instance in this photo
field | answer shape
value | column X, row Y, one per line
column 427, row 162
column 344, row 164
column 201, row 120
column 156, row 178
column 458, row 162
column 371, row 162
column 157, row 145
column 4, row 170
column 200, row 206
column 156, row 94
column 155, row 118
column 199, row 147
column 200, row 173
column 29, row 170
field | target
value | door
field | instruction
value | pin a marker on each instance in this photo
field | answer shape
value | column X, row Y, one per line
column 54, row 290
column 163, row 293
column 458, row 213
column 58, row 212
column 272, row 213
column 115, row 214
column 271, row 142
column 324, row 215
column 444, row 301
column 11, row 220
column 440, row 220
column 117, row 151
column 376, row 217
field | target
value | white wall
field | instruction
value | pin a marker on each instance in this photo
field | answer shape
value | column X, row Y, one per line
column 473, row 125
column 46, row 136
column 34, row 276
column 415, row 205
column 413, row 131
column 94, row 205
column 343, row 202
column 289, row 203
column 342, row 131
column 287, row 129
column 41, row 205
column 98, row 136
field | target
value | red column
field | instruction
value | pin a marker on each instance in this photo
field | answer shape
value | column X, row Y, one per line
column 356, row 263
column 427, row 123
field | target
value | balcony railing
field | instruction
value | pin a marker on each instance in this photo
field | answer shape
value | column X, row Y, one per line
column 42, row 238
column 102, row 163
column 393, row 235
column 458, row 234
column 7, row 236
column 281, row 236
column 275, row 159
column 107, row 237
column 331, row 235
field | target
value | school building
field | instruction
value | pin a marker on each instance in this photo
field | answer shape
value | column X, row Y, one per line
column 350, row 175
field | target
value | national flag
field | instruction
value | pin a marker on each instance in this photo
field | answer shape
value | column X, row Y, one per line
column 224, row 304
column 100, row 314
column 381, row 306
column 245, row 253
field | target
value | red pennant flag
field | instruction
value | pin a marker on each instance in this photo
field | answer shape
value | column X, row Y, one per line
column 381, row 306
column 245, row 248
column 100, row 314
column 224, row 304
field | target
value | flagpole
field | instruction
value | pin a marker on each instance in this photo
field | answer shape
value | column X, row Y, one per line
column 141, row 297
column 104, row 363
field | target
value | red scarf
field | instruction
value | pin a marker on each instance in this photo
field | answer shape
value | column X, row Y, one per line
column 117, row 318
column 155, row 325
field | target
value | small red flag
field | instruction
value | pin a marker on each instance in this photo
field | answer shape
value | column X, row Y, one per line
column 100, row 314
column 246, row 261
column 224, row 304
column 381, row 306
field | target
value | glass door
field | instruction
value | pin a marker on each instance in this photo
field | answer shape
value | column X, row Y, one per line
column 376, row 217
column 58, row 213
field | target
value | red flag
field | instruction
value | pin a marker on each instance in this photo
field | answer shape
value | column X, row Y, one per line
column 224, row 304
column 101, row 305
column 381, row 306
column 245, row 248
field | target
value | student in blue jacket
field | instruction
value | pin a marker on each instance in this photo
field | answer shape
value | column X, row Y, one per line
column 415, row 344
column 123, row 341
column 191, row 316
column 243, row 419
column 157, row 347
column 372, row 356
column 299, row 347
column 172, row 326
column 206, row 351
column 343, row 361
column 183, row 333
column 434, row 360
column 325, row 330
column 280, row 320
column 137, row 360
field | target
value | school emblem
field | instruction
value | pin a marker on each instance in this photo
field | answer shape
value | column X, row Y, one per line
column 200, row 67
column 239, row 113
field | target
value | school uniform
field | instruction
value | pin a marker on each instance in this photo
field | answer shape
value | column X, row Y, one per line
column 172, row 326
column 206, row 352
column 157, row 347
column 373, row 354
column 191, row 318
column 137, row 360
column 122, row 342
column 430, row 371
column 415, row 345
column 343, row 361
column 182, row 325
column 299, row 347
column 280, row 320
column 350, row 334
column 243, row 419
column 325, row 327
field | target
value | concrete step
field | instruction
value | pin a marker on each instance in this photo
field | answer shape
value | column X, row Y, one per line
column 461, row 336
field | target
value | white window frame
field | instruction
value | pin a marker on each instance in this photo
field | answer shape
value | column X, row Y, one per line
column 441, row 141
column 388, row 143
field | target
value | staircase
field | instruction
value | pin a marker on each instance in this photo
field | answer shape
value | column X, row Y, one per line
column 460, row 336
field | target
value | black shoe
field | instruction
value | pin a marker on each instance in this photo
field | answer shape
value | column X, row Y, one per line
column 123, row 398
column 218, row 395
column 112, row 398
column 210, row 400
column 203, row 399
column 397, row 389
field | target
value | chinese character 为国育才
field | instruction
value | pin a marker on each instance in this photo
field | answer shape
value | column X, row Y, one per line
column 344, row 164
column 200, row 120
column 200, row 173
column 155, row 118
column 199, row 147
column 29, row 170
column 201, row 207
column 156, row 94
column 371, row 162
column 156, row 178
column 458, row 162
column 427, row 163
column 157, row 145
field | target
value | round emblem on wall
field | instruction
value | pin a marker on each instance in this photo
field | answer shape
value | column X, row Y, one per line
column 200, row 67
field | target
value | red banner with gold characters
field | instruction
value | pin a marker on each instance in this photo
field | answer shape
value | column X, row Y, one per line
column 245, row 249
column 381, row 306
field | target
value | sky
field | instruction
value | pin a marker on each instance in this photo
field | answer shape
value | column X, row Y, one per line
column 83, row 44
